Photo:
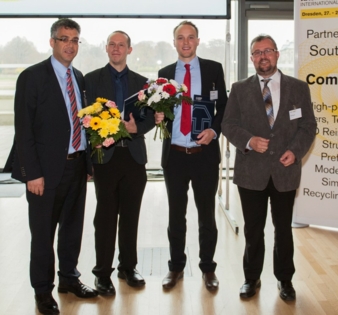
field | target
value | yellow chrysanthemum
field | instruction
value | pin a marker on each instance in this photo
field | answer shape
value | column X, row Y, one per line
column 113, row 126
column 113, row 129
column 101, row 100
column 88, row 110
column 97, row 107
column 115, row 112
column 104, row 123
column 104, row 133
column 105, row 115
column 95, row 123
column 114, row 121
column 81, row 113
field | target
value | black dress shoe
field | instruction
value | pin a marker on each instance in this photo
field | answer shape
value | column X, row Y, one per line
column 171, row 279
column 78, row 288
column 249, row 287
column 287, row 292
column 132, row 277
column 46, row 304
column 211, row 281
column 104, row 286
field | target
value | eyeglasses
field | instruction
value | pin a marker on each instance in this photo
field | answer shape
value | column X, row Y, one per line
column 66, row 40
column 266, row 52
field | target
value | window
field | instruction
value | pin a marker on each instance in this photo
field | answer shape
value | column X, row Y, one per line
column 26, row 42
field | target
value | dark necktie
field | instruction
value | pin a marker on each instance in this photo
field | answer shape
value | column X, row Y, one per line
column 76, row 139
column 186, row 107
column 119, row 92
column 268, row 102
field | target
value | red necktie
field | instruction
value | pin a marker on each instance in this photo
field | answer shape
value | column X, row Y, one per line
column 76, row 140
column 186, row 107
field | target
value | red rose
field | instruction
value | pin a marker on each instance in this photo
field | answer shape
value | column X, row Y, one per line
column 170, row 89
column 160, row 81
column 145, row 86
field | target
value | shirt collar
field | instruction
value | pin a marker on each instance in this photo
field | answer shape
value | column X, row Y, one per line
column 275, row 77
column 194, row 63
column 59, row 68
column 116, row 73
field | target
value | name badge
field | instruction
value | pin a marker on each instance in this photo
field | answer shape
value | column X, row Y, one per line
column 213, row 95
column 295, row 114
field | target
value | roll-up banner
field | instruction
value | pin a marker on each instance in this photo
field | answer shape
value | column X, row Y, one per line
column 316, row 60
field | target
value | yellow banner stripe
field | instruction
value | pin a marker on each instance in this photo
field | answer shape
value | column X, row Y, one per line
column 319, row 13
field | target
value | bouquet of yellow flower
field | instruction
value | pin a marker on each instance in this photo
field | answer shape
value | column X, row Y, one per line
column 162, row 95
column 102, row 122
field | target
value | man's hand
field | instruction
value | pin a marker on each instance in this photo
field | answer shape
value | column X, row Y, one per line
column 159, row 117
column 259, row 144
column 89, row 177
column 287, row 158
column 205, row 136
column 130, row 125
column 36, row 186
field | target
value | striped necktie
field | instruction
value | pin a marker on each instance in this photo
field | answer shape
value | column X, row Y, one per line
column 76, row 139
column 268, row 102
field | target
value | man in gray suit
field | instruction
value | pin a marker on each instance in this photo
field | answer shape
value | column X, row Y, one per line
column 269, row 119
column 120, row 181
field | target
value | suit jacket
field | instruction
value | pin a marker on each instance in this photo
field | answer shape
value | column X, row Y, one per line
column 99, row 84
column 212, row 76
column 42, row 126
column 246, row 117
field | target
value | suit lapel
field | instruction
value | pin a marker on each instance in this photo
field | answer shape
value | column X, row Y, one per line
column 80, row 83
column 107, row 84
column 205, row 77
column 133, row 87
column 53, row 86
column 171, row 71
column 254, row 96
column 284, row 106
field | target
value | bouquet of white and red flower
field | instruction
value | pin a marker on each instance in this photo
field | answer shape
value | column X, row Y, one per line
column 162, row 95
column 102, row 122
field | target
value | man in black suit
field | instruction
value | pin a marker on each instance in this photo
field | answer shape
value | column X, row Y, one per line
column 270, row 120
column 186, row 161
column 50, row 157
column 121, row 179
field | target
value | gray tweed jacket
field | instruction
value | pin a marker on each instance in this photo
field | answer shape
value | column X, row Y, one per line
column 245, row 117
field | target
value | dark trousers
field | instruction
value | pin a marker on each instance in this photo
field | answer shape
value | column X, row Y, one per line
column 254, row 206
column 63, row 205
column 119, row 186
column 182, row 169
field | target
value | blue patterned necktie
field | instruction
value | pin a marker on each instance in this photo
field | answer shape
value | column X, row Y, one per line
column 268, row 102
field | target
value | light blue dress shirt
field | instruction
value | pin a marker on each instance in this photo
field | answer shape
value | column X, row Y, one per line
column 177, row 137
column 61, row 74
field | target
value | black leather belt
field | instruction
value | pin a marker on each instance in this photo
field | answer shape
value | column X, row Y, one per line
column 74, row 155
column 122, row 143
column 186, row 150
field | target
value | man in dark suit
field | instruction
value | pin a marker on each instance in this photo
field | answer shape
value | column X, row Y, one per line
column 50, row 158
column 272, row 133
column 185, row 161
column 121, row 179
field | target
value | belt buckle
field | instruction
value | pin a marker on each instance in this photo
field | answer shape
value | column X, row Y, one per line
column 187, row 150
column 122, row 143
column 74, row 155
